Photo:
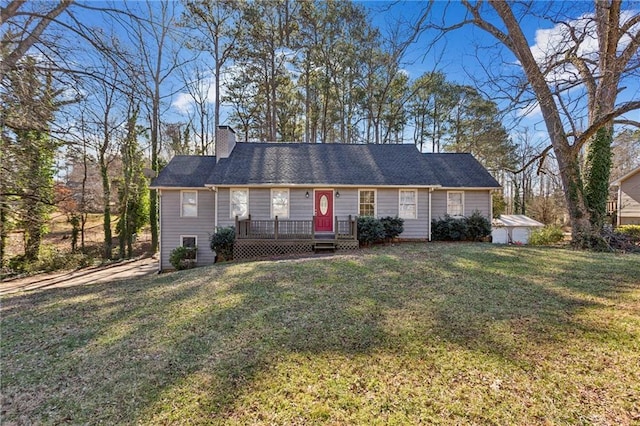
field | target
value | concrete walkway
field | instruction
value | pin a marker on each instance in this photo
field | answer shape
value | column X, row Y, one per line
column 119, row 271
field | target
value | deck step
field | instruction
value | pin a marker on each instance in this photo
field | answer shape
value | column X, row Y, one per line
column 324, row 246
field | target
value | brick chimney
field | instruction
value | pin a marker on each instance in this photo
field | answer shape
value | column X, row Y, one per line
column 225, row 142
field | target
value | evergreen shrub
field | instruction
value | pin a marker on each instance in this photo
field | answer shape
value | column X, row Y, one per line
column 393, row 227
column 478, row 226
column 546, row 236
column 222, row 242
column 370, row 230
column 449, row 228
column 183, row 257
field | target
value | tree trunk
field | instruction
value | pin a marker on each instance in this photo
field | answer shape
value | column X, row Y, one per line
column 597, row 173
column 106, row 200
column 567, row 159
column 155, row 148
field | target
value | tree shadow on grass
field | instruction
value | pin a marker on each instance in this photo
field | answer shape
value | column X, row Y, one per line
column 191, row 343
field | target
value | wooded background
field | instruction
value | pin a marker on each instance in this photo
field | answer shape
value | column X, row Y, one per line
column 97, row 97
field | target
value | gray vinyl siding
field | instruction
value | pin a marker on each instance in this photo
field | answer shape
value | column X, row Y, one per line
column 387, row 202
column 630, row 200
column 438, row 204
column 172, row 226
column 473, row 200
column 477, row 200
column 259, row 203
column 224, row 208
column 347, row 204
column 417, row 228
column 300, row 207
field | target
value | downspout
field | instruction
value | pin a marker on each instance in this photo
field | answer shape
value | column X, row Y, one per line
column 490, row 205
column 619, row 206
column 215, row 206
column 160, row 231
column 430, row 191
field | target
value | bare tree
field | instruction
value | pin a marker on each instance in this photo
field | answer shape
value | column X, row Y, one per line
column 599, row 71
column 198, row 84
column 26, row 26
column 215, row 22
column 159, row 59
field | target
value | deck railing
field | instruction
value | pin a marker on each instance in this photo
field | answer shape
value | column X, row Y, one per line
column 612, row 206
column 287, row 229
column 346, row 229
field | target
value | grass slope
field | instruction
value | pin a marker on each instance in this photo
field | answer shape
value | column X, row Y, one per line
column 424, row 333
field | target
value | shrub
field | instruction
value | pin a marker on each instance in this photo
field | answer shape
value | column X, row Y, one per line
column 50, row 259
column 478, row 226
column 222, row 243
column 393, row 227
column 370, row 230
column 632, row 231
column 449, row 228
column 545, row 236
column 183, row 257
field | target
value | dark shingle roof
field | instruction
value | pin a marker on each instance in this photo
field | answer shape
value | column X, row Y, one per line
column 326, row 164
column 185, row 171
column 331, row 164
column 458, row 170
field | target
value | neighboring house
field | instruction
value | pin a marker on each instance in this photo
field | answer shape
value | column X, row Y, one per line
column 312, row 185
column 628, row 202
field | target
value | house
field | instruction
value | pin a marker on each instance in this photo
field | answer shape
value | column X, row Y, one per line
column 628, row 200
column 288, row 196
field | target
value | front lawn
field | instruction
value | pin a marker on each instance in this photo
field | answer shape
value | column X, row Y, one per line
column 414, row 333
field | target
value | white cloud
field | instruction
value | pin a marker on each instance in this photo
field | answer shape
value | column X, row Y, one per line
column 530, row 111
column 202, row 88
column 552, row 44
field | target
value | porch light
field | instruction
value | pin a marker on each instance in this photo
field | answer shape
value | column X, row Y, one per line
column 337, row 194
column 306, row 195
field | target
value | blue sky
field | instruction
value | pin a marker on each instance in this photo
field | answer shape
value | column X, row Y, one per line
column 456, row 54
column 464, row 54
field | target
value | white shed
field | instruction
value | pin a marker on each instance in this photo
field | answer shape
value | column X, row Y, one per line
column 513, row 228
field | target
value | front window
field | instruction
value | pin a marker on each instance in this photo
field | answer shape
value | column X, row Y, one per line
column 239, row 203
column 455, row 203
column 280, row 203
column 189, row 204
column 190, row 242
column 408, row 204
column 367, row 202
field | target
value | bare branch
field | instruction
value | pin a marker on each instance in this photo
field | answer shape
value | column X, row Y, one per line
column 602, row 121
column 10, row 10
column 540, row 157
column 627, row 123
column 12, row 58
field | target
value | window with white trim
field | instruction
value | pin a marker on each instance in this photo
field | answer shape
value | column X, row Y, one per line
column 239, row 202
column 367, row 202
column 190, row 242
column 455, row 203
column 189, row 203
column 280, row 203
column 408, row 208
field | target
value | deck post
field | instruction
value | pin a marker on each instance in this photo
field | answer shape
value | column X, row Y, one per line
column 354, row 227
column 275, row 228
column 237, row 226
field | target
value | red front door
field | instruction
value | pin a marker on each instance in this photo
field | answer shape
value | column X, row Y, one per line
column 324, row 211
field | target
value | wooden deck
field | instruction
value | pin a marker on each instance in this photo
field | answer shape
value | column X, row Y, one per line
column 273, row 237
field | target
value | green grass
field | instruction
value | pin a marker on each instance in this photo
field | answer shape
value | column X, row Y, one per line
column 414, row 333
